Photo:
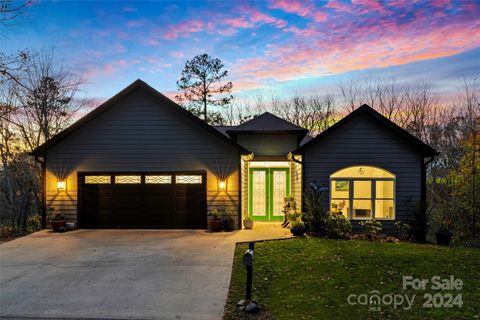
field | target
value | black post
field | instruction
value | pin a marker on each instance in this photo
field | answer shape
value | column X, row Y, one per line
column 248, row 291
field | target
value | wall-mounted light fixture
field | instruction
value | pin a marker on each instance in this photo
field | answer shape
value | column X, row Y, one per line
column 61, row 185
column 222, row 185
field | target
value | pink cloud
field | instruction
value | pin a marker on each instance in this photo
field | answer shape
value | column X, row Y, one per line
column 300, row 8
column 177, row 54
column 334, row 54
column 338, row 5
column 184, row 29
column 255, row 16
column 441, row 3
column 135, row 23
column 370, row 5
column 239, row 22
column 320, row 16
column 152, row 42
column 108, row 69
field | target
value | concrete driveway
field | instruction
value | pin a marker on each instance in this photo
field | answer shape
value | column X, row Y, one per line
column 119, row 274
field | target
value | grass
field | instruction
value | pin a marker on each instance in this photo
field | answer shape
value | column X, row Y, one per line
column 311, row 278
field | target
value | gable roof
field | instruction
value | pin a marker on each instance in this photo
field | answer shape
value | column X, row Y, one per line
column 424, row 148
column 267, row 123
column 223, row 129
column 118, row 97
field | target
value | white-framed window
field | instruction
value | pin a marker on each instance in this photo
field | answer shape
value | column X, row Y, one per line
column 363, row 192
column 128, row 179
column 188, row 179
column 159, row 179
column 98, row 179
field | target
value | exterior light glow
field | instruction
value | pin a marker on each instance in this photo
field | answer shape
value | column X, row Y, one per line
column 61, row 185
column 222, row 185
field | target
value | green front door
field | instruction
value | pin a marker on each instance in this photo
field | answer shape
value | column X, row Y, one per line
column 267, row 189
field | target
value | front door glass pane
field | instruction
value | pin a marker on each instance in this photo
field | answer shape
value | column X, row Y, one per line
column 279, row 191
column 259, row 206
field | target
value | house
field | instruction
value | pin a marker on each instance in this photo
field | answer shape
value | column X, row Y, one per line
column 141, row 161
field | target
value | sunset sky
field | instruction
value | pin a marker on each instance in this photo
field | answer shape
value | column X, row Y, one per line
column 283, row 46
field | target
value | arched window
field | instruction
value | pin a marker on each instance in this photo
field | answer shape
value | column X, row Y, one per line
column 363, row 192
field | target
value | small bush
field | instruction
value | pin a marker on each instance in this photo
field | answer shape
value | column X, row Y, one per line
column 315, row 215
column 55, row 215
column 338, row 227
column 419, row 222
column 297, row 224
column 403, row 229
column 371, row 227
column 294, row 216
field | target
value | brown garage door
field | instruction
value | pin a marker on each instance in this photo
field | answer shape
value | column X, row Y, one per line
column 142, row 200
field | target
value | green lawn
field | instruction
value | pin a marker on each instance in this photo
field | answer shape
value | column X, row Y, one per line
column 310, row 278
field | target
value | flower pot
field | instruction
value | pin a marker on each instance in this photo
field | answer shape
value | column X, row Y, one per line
column 443, row 237
column 297, row 231
column 56, row 225
column 248, row 224
column 215, row 225
column 228, row 224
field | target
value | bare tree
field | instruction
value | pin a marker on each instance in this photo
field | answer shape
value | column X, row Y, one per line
column 47, row 99
column 11, row 64
column 10, row 10
column 351, row 93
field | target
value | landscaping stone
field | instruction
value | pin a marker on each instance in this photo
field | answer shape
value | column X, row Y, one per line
column 252, row 307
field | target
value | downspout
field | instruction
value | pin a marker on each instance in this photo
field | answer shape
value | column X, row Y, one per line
column 44, row 189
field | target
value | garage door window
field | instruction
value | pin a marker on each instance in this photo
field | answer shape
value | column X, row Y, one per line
column 128, row 179
column 98, row 179
column 190, row 179
column 158, row 179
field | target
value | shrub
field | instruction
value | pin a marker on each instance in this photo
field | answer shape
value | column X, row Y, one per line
column 371, row 227
column 403, row 229
column 315, row 216
column 293, row 216
column 297, row 224
column 419, row 222
column 338, row 227
column 55, row 215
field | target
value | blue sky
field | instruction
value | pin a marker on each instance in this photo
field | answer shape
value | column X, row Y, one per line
column 285, row 46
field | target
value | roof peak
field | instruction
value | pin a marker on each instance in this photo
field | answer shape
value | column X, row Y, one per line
column 268, row 122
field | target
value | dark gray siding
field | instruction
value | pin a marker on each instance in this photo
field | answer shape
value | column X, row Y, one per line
column 265, row 144
column 140, row 134
column 364, row 141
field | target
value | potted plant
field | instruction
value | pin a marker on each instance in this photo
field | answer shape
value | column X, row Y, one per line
column 248, row 222
column 228, row 222
column 215, row 224
column 297, row 228
column 443, row 236
column 57, row 220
